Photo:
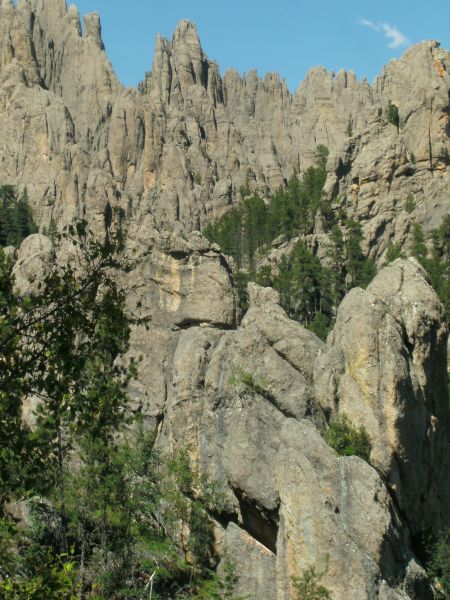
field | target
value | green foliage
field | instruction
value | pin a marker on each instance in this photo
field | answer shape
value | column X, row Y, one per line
column 308, row 586
column 242, row 232
column 123, row 517
column 360, row 269
column 198, row 179
column 348, row 440
column 393, row 252
column 418, row 246
column 309, row 291
column 220, row 588
column 392, row 115
column 241, row 279
column 60, row 344
column 437, row 263
column 410, row 203
column 248, row 229
column 51, row 231
column 349, row 128
column 412, row 158
column 438, row 565
column 322, row 154
column 54, row 579
column 134, row 517
column 321, row 325
column 118, row 518
column 16, row 220
column 435, row 259
column 249, row 384
column 304, row 285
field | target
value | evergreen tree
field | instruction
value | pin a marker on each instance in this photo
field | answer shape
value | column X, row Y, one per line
column 336, row 256
column 117, row 517
column 393, row 252
column 16, row 220
column 360, row 269
column 392, row 114
column 418, row 246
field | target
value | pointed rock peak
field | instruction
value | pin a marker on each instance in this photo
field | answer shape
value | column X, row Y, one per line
column 161, row 43
column 93, row 29
column 56, row 8
column 260, row 296
column 186, row 34
column 73, row 17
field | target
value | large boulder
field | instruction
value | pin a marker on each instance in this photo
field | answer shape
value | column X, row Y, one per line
column 385, row 369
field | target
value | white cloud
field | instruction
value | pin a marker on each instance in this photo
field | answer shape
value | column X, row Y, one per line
column 370, row 24
column 395, row 36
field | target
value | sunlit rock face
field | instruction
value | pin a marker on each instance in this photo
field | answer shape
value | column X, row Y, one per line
column 182, row 145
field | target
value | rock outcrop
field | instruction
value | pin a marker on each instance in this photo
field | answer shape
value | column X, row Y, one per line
column 250, row 400
column 181, row 146
column 384, row 369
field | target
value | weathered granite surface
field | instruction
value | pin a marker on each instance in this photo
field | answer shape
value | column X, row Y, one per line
column 181, row 146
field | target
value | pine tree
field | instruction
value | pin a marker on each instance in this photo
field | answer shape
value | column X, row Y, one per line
column 16, row 220
column 360, row 269
column 418, row 246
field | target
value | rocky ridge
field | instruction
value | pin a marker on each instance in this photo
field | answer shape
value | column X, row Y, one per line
column 181, row 146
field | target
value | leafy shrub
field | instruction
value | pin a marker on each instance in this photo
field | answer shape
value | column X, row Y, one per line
column 54, row 580
column 393, row 252
column 348, row 440
column 249, row 383
column 392, row 114
column 308, row 586
column 410, row 203
column 438, row 566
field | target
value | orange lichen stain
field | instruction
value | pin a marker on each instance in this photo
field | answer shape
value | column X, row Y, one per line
column 439, row 66
column 149, row 180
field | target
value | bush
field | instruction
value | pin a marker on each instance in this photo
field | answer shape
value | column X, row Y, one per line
column 308, row 587
column 348, row 440
column 438, row 567
column 410, row 203
column 393, row 252
column 392, row 114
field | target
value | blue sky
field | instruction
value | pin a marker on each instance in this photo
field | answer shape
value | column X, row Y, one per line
column 288, row 36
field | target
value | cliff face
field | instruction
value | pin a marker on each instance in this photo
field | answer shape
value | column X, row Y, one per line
column 250, row 400
column 182, row 145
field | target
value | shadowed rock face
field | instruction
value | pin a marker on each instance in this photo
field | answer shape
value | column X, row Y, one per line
column 182, row 145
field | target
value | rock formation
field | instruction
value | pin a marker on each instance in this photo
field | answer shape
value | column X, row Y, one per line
column 250, row 400
column 181, row 146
